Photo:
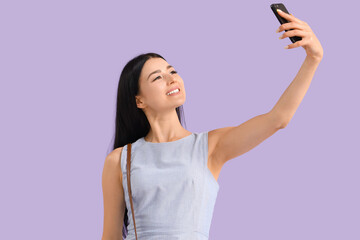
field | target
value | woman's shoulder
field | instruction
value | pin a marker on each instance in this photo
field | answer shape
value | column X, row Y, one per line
column 114, row 155
column 113, row 159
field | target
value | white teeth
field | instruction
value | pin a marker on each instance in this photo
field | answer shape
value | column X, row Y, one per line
column 176, row 90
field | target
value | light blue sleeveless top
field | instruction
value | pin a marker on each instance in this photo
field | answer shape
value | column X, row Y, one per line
column 173, row 190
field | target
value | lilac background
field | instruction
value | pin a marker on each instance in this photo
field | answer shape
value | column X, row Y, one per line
column 60, row 66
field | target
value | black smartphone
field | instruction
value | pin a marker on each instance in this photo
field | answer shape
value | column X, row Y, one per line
column 282, row 20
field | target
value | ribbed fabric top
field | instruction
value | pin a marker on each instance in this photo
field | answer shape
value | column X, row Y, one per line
column 174, row 192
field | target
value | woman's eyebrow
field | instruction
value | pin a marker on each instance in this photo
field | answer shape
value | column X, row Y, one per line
column 169, row 66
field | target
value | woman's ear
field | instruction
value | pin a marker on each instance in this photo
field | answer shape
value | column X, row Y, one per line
column 139, row 102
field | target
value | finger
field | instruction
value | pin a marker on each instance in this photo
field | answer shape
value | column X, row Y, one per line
column 290, row 25
column 296, row 44
column 293, row 33
column 287, row 16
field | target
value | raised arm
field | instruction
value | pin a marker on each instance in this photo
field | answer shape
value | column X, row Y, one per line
column 230, row 142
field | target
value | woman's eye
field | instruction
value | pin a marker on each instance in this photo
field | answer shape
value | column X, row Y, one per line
column 171, row 72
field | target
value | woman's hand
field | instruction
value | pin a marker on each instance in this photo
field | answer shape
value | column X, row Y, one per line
column 300, row 28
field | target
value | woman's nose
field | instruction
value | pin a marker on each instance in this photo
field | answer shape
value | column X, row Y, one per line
column 169, row 77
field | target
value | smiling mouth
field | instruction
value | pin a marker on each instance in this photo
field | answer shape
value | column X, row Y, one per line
column 173, row 92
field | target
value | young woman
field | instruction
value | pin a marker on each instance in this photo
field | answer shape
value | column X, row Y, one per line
column 174, row 172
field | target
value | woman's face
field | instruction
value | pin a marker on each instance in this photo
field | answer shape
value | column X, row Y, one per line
column 156, row 80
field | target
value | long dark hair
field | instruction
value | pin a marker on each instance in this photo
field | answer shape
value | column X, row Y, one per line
column 131, row 122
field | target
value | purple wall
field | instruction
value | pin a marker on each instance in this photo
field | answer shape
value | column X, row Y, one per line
column 60, row 66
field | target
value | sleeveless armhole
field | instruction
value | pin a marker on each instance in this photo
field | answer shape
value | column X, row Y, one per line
column 125, row 187
column 121, row 167
column 208, row 172
column 123, row 163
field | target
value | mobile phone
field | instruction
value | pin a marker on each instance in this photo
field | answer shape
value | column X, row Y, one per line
column 282, row 20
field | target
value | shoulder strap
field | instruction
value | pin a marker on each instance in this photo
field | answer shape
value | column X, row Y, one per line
column 129, row 185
